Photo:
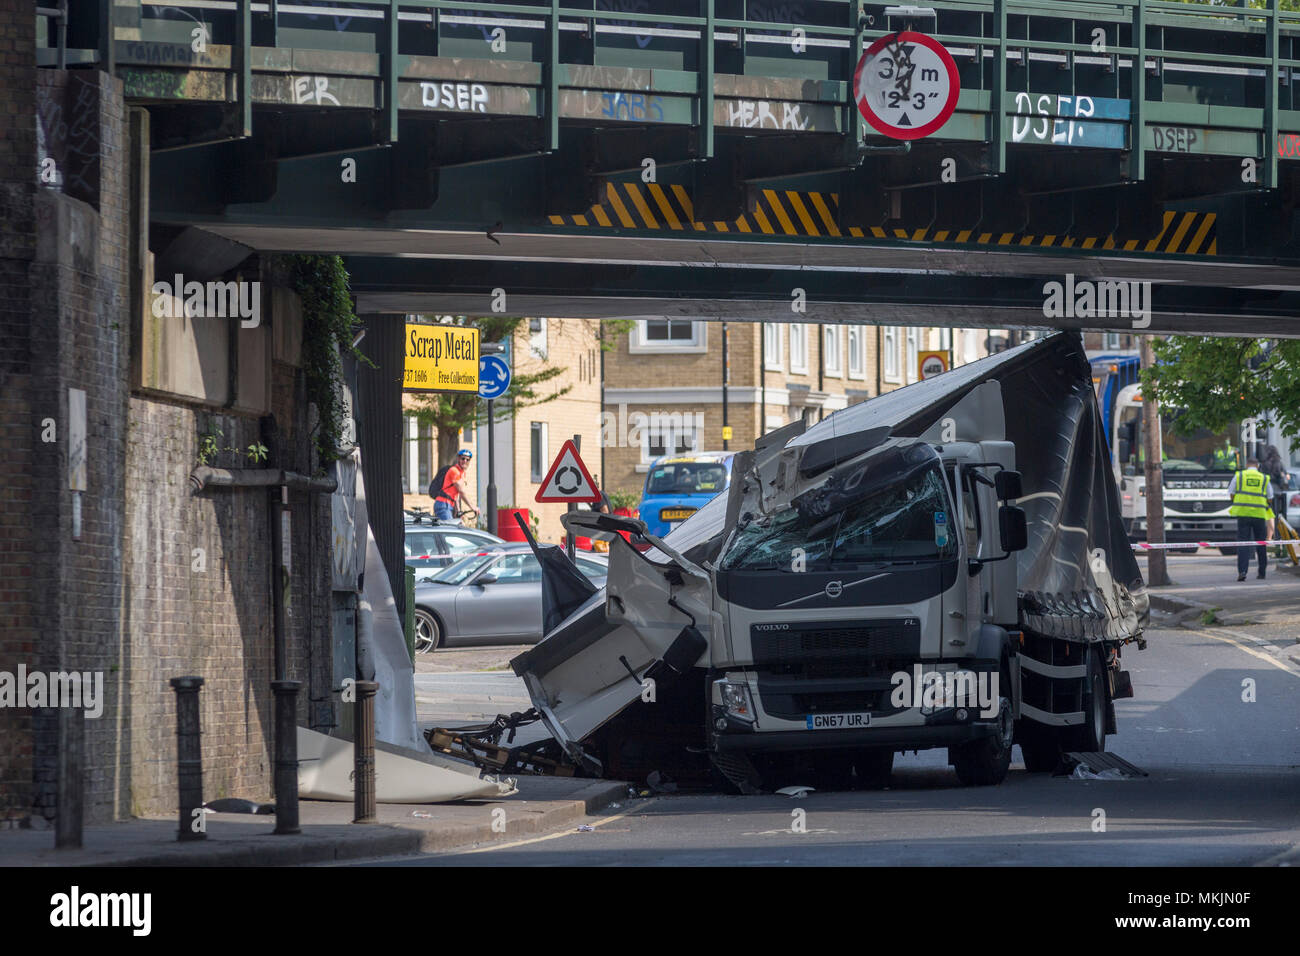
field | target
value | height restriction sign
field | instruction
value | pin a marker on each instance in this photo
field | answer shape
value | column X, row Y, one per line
column 906, row 85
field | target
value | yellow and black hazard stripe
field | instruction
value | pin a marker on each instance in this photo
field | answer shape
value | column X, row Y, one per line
column 786, row 212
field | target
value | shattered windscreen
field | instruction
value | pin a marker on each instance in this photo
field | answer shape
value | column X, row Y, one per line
column 898, row 521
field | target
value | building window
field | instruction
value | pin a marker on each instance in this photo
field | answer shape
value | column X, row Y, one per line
column 669, row 434
column 891, row 352
column 798, row 347
column 537, row 457
column 537, row 343
column 913, row 352
column 772, row 356
column 1110, row 340
column 857, row 351
column 834, row 354
column 668, row 335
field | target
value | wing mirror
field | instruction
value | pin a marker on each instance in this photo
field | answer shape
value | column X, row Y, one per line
column 1007, row 484
column 1012, row 528
column 485, row 579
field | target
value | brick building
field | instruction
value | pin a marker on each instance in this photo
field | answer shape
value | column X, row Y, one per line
column 664, row 381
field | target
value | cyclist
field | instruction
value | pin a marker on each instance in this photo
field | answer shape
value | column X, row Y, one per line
column 452, row 488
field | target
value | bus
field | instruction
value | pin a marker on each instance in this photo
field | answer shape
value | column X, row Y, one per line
column 1110, row 374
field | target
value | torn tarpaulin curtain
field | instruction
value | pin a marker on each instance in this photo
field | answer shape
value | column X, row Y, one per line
column 564, row 589
column 1078, row 578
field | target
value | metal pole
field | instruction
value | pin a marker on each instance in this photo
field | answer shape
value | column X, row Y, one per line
column 569, row 542
column 364, row 752
column 491, row 503
column 725, row 376
column 1157, row 570
column 189, row 759
column 71, row 782
column 286, row 755
column 762, row 376
column 279, row 579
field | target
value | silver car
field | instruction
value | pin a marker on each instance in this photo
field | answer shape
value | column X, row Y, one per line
column 431, row 548
column 490, row 597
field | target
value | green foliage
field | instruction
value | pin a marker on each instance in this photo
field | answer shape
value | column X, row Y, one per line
column 1223, row 381
column 209, row 444
column 611, row 329
column 623, row 499
column 328, row 326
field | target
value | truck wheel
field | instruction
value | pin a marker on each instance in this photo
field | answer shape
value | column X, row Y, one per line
column 873, row 768
column 1091, row 737
column 1039, row 747
column 985, row 762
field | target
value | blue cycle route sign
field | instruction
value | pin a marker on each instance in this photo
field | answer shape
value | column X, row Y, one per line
column 493, row 376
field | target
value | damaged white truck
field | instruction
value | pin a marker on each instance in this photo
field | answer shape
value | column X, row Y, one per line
column 943, row 566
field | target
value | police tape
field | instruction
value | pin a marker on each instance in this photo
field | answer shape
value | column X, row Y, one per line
column 1143, row 546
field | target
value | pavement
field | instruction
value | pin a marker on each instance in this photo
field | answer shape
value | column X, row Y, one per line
column 543, row 804
column 1205, row 594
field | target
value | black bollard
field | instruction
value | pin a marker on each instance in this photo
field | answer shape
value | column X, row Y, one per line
column 189, row 759
column 286, row 755
column 364, row 749
column 71, row 785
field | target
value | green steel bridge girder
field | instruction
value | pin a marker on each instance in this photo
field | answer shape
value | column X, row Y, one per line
column 1052, row 106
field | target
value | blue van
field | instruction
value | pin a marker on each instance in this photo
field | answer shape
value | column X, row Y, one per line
column 678, row 486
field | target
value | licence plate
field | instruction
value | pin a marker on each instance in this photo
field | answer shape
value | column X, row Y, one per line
column 836, row 721
column 675, row 514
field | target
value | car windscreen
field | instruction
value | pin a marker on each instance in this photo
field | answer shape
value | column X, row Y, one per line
column 902, row 521
column 687, row 478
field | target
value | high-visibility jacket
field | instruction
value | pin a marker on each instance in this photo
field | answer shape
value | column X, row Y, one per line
column 1250, row 495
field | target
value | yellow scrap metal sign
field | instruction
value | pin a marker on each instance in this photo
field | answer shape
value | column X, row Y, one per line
column 441, row 358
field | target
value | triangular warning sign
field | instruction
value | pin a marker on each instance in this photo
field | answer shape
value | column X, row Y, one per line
column 568, row 479
column 904, row 121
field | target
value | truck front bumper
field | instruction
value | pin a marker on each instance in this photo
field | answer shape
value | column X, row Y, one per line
column 897, row 738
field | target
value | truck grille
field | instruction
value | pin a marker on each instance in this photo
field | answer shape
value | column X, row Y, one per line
column 851, row 662
column 1190, row 507
column 847, row 647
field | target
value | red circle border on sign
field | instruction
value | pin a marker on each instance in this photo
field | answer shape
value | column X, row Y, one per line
column 954, row 86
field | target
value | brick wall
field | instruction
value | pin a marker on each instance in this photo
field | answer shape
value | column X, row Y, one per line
column 126, row 594
column 78, row 314
column 19, row 428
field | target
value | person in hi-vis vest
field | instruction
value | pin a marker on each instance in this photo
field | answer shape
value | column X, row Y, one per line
column 1250, row 506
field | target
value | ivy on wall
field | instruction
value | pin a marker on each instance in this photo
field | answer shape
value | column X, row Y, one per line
column 329, row 325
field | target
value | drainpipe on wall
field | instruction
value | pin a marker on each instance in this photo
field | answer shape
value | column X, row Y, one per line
column 278, row 482
column 762, row 377
column 821, row 369
column 880, row 345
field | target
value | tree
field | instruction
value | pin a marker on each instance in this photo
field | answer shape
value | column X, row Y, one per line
column 1221, row 382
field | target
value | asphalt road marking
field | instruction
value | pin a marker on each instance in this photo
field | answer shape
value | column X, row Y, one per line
column 1220, row 635
column 562, row 833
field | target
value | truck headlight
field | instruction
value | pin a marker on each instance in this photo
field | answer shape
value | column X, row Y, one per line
column 733, row 697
